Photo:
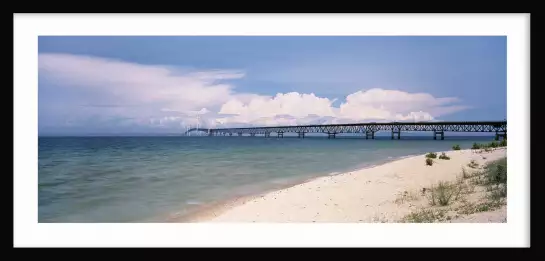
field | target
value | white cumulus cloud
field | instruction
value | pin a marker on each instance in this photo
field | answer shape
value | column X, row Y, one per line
column 98, row 92
column 370, row 105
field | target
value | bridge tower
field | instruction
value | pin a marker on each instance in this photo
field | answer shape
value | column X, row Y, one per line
column 437, row 132
column 369, row 133
column 398, row 132
column 502, row 134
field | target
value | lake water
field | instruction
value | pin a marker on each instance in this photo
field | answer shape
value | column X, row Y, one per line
column 147, row 179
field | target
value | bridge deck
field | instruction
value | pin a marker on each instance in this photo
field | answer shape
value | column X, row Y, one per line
column 498, row 127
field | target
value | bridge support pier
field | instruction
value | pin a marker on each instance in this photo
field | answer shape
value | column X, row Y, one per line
column 267, row 134
column 398, row 132
column 230, row 134
column 501, row 134
column 435, row 133
column 280, row 135
column 252, row 134
column 240, row 134
column 369, row 134
column 301, row 135
column 331, row 135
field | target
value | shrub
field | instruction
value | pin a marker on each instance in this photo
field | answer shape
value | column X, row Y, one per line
column 456, row 147
column 503, row 143
column 444, row 156
column 425, row 216
column 498, row 193
column 431, row 155
column 465, row 174
column 493, row 144
column 443, row 193
column 476, row 146
column 496, row 172
column 473, row 164
column 429, row 162
column 470, row 208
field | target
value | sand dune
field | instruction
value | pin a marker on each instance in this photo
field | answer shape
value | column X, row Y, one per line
column 366, row 195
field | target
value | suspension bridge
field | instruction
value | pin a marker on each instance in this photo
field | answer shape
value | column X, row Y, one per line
column 438, row 129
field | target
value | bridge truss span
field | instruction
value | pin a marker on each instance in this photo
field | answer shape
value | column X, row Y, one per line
column 368, row 129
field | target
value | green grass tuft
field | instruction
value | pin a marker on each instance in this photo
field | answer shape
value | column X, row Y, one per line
column 431, row 155
column 470, row 208
column 473, row 164
column 429, row 162
column 444, row 192
column 456, row 147
column 465, row 174
column 444, row 156
column 493, row 144
column 476, row 146
column 425, row 216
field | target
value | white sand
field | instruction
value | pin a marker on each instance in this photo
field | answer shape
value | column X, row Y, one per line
column 366, row 195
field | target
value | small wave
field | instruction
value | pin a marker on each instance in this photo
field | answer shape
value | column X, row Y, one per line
column 280, row 181
column 408, row 156
column 193, row 202
column 131, row 178
column 51, row 183
column 334, row 173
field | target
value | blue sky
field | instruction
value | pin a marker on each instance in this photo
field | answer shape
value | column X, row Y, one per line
column 161, row 84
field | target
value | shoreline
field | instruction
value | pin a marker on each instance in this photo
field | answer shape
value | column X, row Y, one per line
column 212, row 209
column 368, row 197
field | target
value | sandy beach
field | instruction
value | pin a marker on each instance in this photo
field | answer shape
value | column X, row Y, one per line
column 384, row 193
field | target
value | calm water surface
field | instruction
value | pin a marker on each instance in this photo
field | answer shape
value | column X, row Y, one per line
column 146, row 179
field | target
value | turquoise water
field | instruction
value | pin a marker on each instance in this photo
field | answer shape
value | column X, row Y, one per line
column 147, row 179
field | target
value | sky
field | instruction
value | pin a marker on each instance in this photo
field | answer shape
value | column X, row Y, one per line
column 162, row 84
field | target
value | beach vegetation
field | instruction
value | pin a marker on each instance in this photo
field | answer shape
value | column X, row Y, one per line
column 487, row 147
column 464, row 186
column 493, row 144
column 425, row 216
column 496, row 172
column 465, row 174
column 477, row 179
column 447, row 199
column 406, row 196
column 493, row 173
column 470, row 207
column 444, row 192
column 473, row 164
column 431, row 155
column 444, row 156
column 494, row 178
column 456, row 147
column 498, row 193
column 429, row 162
column 469, row 188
